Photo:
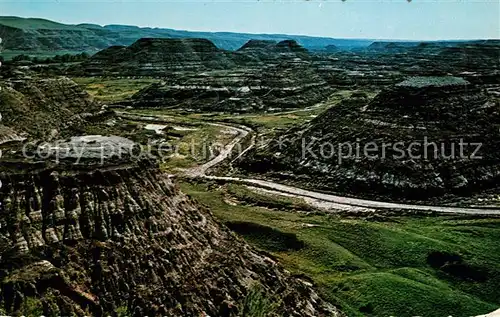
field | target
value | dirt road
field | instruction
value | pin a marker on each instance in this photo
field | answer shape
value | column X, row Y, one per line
column 312, row 197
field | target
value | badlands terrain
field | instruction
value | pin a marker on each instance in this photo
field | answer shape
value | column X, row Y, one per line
column 164, row 175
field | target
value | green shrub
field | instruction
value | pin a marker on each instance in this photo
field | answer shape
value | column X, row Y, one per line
column 258, row 303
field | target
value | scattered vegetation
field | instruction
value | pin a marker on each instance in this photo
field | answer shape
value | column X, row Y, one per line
column 122, row 311
column 31, row 307
column 112, row 89
column 380, row 268
column 251, row 197
column 196, row 145
column 267, row 122
column 257, row 303
column 266, row 237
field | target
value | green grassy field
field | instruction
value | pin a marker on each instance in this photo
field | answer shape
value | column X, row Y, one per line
column 112, row 90
column 266, row 122
column 195, row 142
column 197, row 147
column 371, row 268
column 115, row 90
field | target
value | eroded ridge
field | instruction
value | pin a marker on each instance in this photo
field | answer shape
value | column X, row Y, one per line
column 125, row 238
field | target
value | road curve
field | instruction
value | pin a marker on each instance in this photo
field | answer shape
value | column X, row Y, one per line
column 200, row 171
column 243, row 131
column 356, row 202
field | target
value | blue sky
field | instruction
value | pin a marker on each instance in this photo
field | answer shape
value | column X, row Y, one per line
column 379, row 19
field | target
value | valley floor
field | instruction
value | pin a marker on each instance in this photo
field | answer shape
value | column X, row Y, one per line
column 371, row 264
column 369, row 261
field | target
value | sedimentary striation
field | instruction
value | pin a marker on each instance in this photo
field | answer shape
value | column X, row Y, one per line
column 262, row 52
column 287, row 85
column 40, row 107
column 98, row 240
column 88, row 228
column 157, row 57
column 423, row 137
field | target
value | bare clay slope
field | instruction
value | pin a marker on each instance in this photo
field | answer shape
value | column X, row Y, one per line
column 126, row 239
column 36, row 107
column 444, row 111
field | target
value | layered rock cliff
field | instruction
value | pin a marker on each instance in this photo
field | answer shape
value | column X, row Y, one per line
column 159, row 57
column 258, row 52
column 124, row 240
column 286, row 85
column 156, row 57
column 423, row 137
column 384, row 64
column 38, row 107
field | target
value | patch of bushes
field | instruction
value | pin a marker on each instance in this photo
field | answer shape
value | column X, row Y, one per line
column 258, row 303
column 454, row 265
column 265, row 237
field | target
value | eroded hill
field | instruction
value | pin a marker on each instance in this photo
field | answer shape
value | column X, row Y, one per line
column 126, row 239
column 157, row 57
column 85, row 229
column 424, row 137
column 196, row 75
column 283, row 86
column 39, row 107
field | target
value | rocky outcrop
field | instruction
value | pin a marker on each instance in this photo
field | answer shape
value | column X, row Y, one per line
column 477, row 55
column 38, row 107
column 258, row 45
column 156, row 57
column 424, row 137
column 123, row 239
column 393, row 47
column 258, row 51
column 283, row 86
column 159, row 57
column 384, row 64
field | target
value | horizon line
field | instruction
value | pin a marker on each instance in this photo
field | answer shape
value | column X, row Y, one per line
column 250, row 33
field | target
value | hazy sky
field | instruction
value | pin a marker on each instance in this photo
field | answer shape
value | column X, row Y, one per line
column 383, row 19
